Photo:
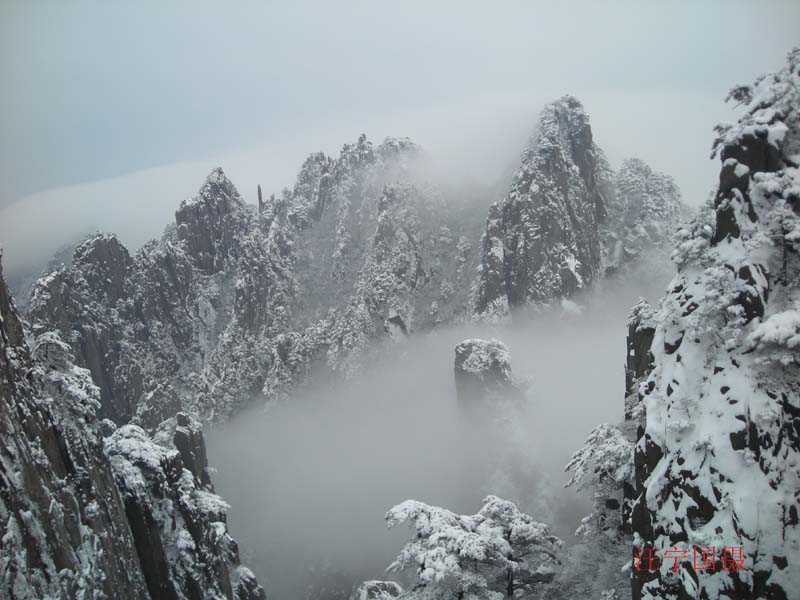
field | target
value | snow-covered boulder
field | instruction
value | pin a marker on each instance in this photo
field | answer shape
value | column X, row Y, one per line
column 482, row 371
column 376, row 590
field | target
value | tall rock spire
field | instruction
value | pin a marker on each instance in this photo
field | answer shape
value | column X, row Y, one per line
column 546, row 230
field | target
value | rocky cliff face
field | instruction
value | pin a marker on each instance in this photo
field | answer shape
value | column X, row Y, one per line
column 65, row 531
column 211, row 223
column 568, row 219
column 717, row 454
column 177, row 522
column 546, row 231
column 88, row 518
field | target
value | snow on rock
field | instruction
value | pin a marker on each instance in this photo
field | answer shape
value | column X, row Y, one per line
column 716, row 462
column 81, row 517
column 237, row 302
column 482, row 370
column 210, row 222
column 65, row 534
column 376, row 590
column 639, row 358
column 188, row 439
column 568, row 219
column 492, row 299
column 643, row 214
column 182, row 332
column 178, row 523
column 542, row 242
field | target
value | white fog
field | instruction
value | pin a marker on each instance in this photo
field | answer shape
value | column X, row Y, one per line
column 311, row 480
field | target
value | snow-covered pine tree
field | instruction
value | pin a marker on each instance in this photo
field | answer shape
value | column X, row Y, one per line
column 602, row 466
column 498, row 552
column 594, row 567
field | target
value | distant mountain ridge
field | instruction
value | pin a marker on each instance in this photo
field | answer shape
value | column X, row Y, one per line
column 238, row 302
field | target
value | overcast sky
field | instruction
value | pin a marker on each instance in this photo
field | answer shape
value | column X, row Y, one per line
column 101, row 90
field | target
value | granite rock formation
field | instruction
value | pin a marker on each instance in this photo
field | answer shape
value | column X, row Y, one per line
column 63, row 518
column 546, row 230
column 87, row 517
column 238, row 302
column 717, row 452
column 482, row 370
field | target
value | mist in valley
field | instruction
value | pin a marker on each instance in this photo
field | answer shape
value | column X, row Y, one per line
column 310, row 480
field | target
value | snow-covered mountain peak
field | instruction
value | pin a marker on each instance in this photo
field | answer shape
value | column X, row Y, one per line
column 547, row 229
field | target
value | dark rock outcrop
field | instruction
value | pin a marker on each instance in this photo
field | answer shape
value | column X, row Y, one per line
column 482, row 370
column 492, row 298
column 178, row 523
column 209, row 224
column 548, row 230
column 188, row 439
column 639, row 358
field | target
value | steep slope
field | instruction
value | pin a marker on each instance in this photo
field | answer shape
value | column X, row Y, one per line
column 88, row 518
column 542, row 242
column 568, row 220
column 65, row 531
column 178, row 523
column 716, row 464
